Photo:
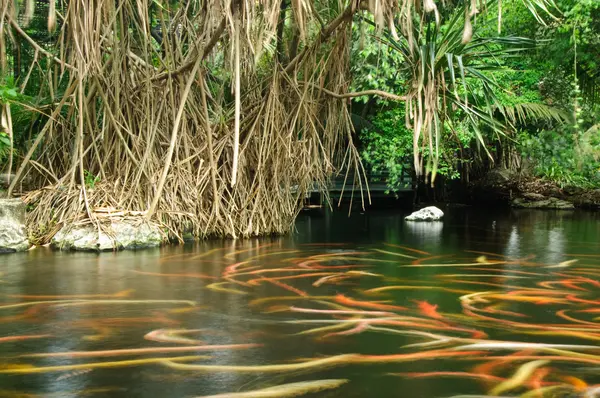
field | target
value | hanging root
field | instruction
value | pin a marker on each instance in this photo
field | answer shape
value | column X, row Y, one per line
column 142, row 127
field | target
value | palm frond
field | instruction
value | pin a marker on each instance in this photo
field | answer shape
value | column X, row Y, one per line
column 520, row 113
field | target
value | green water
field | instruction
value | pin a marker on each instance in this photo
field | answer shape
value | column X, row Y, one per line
column 522, row 263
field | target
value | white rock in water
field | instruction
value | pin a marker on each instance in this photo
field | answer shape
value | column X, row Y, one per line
column 430, row 213
column 118, row 236
column 13, row 234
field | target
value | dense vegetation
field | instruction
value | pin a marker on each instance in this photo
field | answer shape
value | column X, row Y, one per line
column 216, row 118
column 538, row 74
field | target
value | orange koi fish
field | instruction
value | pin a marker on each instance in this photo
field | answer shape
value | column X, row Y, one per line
column 233, row 268
column 486, row 377
column 333, row 279
column 476, row 334
column 492, row 309
column 256, row 281
column 124, row 293
column 172, row 336
column 8, row 339
column 574, row 298
column 419, row 261
column 408, row 249
column 577, row 383
column 193, row 275
column 139, row 351
column 361, row 327
column 428, row 309
column 340, row 298
column 286, row 287
column 502, row 270
column 341, row 312
column 562, row 314
column 415, row 356
column 487, row 368
column 536, row 381
column 28, row 313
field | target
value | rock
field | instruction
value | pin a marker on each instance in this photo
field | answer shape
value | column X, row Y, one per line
column 4, row 178
column 573, row 190
column 533, row 196
column 118, row 235
column 548, row 203
column 13, row 233
column 498, row 176
column 430, row 213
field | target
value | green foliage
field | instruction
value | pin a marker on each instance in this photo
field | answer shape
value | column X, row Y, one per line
column 560, row 156
column 539, row 79
column 90, row 179
column 388, row 148
column 4, row 146
column 374, row 65
column 8, row 93
column 21, row 115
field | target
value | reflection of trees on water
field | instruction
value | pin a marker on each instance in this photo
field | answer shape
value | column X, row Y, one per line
column 550, row 234
column 513, row 245
column 513, row 233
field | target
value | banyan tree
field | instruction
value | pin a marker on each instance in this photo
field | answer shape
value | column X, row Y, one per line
column 213, row 117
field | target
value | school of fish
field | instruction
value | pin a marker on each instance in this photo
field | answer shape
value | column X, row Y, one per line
column 469, row 315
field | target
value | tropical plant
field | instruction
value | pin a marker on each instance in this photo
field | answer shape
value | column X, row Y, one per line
column 451, row 74
column 206, row 113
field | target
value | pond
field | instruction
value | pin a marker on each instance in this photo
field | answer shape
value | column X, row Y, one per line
column 485, row 303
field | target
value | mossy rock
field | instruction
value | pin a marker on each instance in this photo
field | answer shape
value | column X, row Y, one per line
column 116, row 235
column 13, row 233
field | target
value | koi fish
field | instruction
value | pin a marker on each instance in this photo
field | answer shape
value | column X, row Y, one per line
column 409, row 287
column 8, row 339
column 218, row 287
column 341, row 359
column 536, row 381
column 486, row 377
column 73, row 374
column 285, row 390
column 564, row 264
column 361, row 327
column 340, row 298
column 124, row 293
column 407, row 249
column 492, row 309
column 394, row 253
column 578, row 384
column 192, row 275
column 286, row 286
column 172, row 336
column 428, row 309
column 519, row 378
column 98, row 365
column 330, row 279
column 231, row 269
column 256, row 281
column 490, row 366
column 341, row 312
column 139, row 351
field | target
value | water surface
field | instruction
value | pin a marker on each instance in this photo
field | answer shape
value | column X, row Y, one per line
column 427, row 310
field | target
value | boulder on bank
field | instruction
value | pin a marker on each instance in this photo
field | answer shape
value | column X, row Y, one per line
column 116, row 235
column 430, row 213
column 13, row 233
column 537, row 201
